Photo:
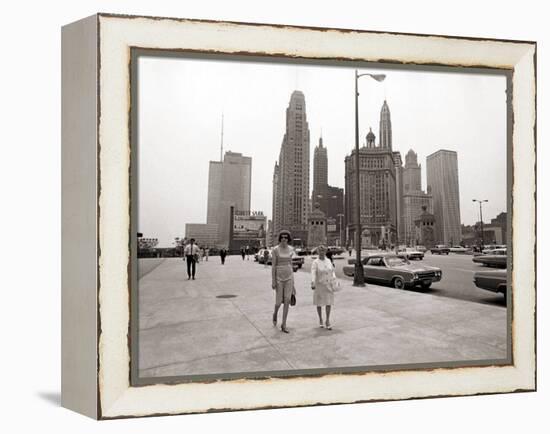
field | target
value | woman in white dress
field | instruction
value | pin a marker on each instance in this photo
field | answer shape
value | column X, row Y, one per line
column 322, row 277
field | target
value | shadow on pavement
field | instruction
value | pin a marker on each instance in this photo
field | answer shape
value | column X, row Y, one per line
column 494, row 300
column 52, row 398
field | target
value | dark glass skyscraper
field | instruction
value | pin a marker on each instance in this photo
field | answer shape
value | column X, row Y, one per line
column 320, row 167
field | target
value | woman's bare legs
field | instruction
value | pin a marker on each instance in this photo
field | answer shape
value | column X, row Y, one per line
column 320, row 314
column 275, row 313
column 285, row 314
column 327, row 308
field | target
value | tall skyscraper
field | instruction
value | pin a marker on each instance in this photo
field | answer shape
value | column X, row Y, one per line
column 377, row 185
column 330, row 199
column 411, row 173
column 320, row 167
column 229, row 185
column 276, row 205
column 385, row 127
column 414, row 199
column 398, row 163
column 293, row 181
column 215, row 171
column 442, row 174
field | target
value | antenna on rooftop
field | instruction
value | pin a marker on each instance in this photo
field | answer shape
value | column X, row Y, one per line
column 221, row 142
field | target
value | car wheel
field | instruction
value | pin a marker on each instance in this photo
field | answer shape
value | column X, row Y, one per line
column 398, row 283
column 300, row 266
column 426, row 285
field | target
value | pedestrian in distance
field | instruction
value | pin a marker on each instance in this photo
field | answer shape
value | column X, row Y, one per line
column 247, row 251
column 349, row 251
column 206, row 253
column 323, row 283
column 328, row 254
column 191, row 255
column 282, row 276
column 266, row 256
column 223, row 254
column 243, row 253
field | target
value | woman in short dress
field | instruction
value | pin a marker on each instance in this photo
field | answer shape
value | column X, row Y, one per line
column 282, row 276
column 322, row 275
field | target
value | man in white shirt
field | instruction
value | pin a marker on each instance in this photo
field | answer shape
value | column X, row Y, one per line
column 191, row 254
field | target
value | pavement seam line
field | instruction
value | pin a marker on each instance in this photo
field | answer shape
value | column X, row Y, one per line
column 264, row 336
column 181, row 362
column 178, row 323
column 152, row 269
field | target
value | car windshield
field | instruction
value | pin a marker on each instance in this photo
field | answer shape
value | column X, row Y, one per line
column 395, row 261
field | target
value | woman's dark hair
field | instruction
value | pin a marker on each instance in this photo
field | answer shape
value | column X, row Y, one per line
column 287, row 233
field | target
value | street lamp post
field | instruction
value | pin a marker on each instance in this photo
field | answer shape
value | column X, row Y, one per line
column 358, row 275
column 481, row 220
column 340, row 217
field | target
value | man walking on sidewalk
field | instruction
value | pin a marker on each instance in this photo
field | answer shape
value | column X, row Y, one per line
column 191, row 254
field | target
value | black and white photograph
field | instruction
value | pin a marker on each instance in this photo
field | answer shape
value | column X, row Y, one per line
column 261, row 250
column 275, row 217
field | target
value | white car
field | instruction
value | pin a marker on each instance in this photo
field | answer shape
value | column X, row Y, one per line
column 458, row 249
column 410, row 253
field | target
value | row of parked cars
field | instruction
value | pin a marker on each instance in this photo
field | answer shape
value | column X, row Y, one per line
column 262, row 258
column 398, row 271
column 492, row 280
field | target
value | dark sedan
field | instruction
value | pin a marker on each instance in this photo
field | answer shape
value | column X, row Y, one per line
column 494, row 280
column 495, row 258
column 396, row 271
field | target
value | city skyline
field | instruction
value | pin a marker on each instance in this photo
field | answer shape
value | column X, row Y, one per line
column 180, row 124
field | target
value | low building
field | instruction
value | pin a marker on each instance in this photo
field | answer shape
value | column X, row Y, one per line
column 317, row 228
column 425, row 225
column 248, row 228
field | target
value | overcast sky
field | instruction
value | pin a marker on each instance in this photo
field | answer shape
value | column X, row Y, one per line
column 182, row 100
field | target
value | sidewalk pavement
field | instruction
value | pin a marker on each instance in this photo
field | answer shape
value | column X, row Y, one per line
column 184, row 329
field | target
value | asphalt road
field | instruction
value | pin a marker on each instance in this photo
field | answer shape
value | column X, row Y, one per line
column 457, row 282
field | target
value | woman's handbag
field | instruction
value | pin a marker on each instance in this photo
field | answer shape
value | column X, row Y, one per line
column 293, row 300
column 334, row 284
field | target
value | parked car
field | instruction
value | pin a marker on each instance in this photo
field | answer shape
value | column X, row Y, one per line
column 261, row 255
column 490, row 247
column 440, row 249
column 397, row 271
column 458, row 249
column 364, row 256
column 410, row 253
column 421, row 248
column 493, row 258
column 336, row 250
column 492, row 280
column 299, row 247
column 297, row 261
